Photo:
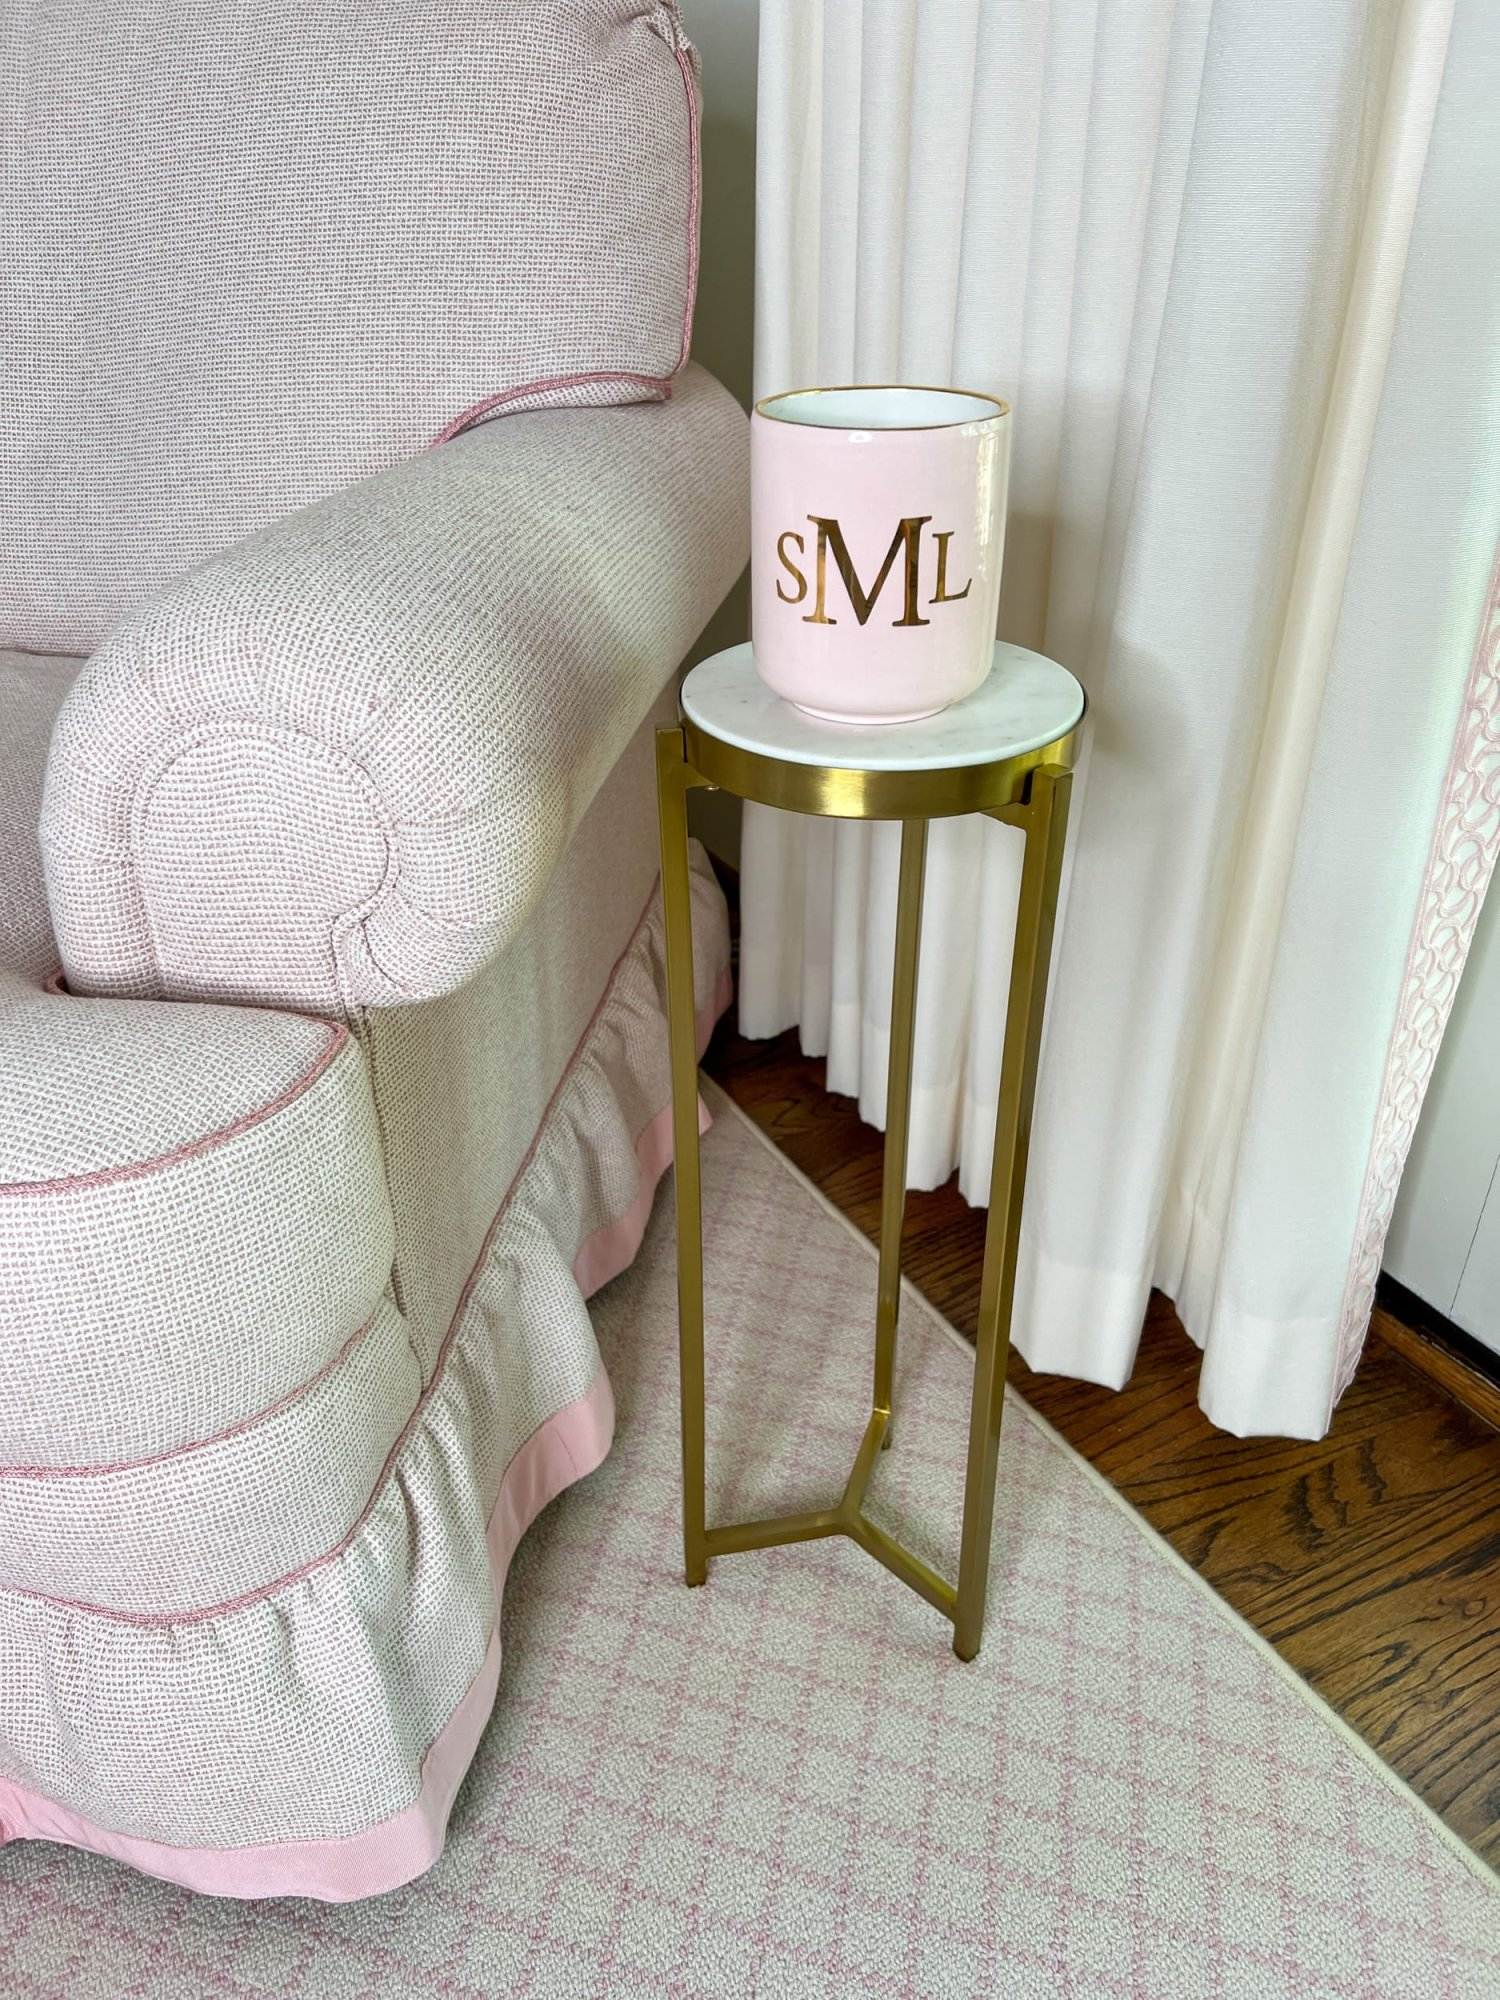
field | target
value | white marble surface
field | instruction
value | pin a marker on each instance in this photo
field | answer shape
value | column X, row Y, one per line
column 1026, row 701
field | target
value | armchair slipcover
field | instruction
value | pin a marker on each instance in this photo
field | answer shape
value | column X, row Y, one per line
column 332, row 1061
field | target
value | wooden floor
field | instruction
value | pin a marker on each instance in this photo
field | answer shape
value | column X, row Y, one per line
column 1371, row 1560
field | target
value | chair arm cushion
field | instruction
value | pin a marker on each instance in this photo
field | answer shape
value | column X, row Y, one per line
column 334, row 767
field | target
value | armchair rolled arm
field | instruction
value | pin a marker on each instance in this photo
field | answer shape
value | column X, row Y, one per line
column 334, row 767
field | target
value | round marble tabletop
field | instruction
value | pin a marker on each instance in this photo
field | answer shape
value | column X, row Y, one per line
column 1026, row 702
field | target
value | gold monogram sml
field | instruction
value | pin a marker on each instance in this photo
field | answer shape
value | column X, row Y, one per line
column 906, row 542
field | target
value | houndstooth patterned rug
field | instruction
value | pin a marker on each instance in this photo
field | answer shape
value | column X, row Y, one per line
column 786, row 1784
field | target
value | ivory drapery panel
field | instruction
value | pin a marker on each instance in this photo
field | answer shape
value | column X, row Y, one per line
column 1236, row 269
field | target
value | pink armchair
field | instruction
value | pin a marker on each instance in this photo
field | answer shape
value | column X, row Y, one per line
column 357, row 502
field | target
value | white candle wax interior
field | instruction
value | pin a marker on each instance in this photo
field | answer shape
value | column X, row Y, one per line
column 880, row 409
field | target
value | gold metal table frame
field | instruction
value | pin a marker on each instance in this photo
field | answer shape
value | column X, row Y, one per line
column 1030, row 791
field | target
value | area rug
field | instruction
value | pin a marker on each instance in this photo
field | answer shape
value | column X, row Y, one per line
column 785, row 1784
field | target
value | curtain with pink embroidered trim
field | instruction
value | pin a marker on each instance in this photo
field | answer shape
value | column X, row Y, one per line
column 1236, row 269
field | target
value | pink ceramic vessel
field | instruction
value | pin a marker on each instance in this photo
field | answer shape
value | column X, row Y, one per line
column 877, row 520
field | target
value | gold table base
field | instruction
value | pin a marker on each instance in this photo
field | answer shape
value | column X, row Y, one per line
column 1029, row 791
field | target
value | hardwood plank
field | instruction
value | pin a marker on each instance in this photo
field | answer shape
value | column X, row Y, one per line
column 1431, row 1356
column 1370, row 1560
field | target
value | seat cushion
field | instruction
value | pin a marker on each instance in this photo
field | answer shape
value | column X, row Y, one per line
column 253, row 253
column 31, row 693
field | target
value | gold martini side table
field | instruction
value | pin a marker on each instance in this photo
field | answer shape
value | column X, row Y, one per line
column 1007, row 751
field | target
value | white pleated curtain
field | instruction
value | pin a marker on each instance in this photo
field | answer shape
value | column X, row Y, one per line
column 1234, row 263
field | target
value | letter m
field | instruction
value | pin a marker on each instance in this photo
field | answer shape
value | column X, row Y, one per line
column 907, row 538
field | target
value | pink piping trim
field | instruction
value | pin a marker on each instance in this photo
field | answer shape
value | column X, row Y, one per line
column 137, row 1169
column 695, row 205
column 293, row 1395
column 543, row 386
column 198, row 1614
column 661, row 384
column 382, row 1857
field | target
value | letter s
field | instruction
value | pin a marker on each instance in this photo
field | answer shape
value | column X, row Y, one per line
column 781, row 542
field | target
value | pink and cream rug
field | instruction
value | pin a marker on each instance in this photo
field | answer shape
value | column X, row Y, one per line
column 785, row 1784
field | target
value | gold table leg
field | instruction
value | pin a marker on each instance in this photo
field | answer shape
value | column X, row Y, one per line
column 674, row 779
column 1043, row 818
column 898, row 1111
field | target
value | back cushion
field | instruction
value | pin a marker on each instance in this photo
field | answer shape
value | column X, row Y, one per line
column 251, row 250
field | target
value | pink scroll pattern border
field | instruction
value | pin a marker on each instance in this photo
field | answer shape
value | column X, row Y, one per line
column 1465, row 842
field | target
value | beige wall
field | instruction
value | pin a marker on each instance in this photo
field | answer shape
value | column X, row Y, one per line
column 726, row 33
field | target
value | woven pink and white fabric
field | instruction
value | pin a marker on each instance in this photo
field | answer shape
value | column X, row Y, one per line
column 294, row 1304
column 335, row 766
column 353, row 1084
column 199, row 1620
column 193, row 1223
column 256, row 252
column 457, row 1112
column 31, row 692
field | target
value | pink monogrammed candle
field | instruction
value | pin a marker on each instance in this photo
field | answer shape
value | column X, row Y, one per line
column 877, row 520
